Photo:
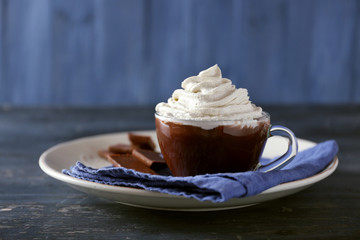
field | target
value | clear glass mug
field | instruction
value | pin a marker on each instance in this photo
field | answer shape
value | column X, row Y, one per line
column 228, row 146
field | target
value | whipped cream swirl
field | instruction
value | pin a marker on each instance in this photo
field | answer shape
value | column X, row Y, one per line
column 209, row 97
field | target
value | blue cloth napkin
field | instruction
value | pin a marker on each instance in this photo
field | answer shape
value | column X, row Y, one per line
column 214, row 187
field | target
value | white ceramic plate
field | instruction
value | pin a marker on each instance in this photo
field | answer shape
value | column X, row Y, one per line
column 64, row 155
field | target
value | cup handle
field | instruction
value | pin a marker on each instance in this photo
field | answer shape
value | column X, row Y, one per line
column 287, row 157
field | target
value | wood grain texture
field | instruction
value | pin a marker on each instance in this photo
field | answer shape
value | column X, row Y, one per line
column 35, row 206
column 123, row 52
column 2, row 82
column 356, row 54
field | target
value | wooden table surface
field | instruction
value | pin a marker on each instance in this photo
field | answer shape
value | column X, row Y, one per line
column 35, row 206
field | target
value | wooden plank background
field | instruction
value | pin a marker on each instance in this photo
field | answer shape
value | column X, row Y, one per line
column 128, row 52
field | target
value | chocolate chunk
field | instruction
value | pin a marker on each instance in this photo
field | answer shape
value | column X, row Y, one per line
column 103, row 153
column 110, row 158
column 120, row 148
column 141, row 141
column 149, row 158
column 129, row 161
column 139, row 156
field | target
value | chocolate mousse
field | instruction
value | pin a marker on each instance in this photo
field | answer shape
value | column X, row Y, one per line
column 210, row 126
column 191, row 150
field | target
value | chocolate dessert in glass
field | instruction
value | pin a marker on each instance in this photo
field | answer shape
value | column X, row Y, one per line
column 210, row 126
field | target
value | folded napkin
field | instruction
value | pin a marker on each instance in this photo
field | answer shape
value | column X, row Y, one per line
column 214, row 187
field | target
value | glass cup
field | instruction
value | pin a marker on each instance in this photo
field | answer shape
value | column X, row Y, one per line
column 199, row 147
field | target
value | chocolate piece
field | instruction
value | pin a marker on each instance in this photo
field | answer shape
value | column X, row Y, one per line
column 129, row 161
column 110, row 158
column 139, row 156
column 141, row 141
column 103, row 153
column 149, row 158
column 120, row 148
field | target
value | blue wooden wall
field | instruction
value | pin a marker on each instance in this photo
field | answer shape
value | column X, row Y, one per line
column 128, row 52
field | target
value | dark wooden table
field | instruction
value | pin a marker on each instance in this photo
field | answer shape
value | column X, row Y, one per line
column 35, row 206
